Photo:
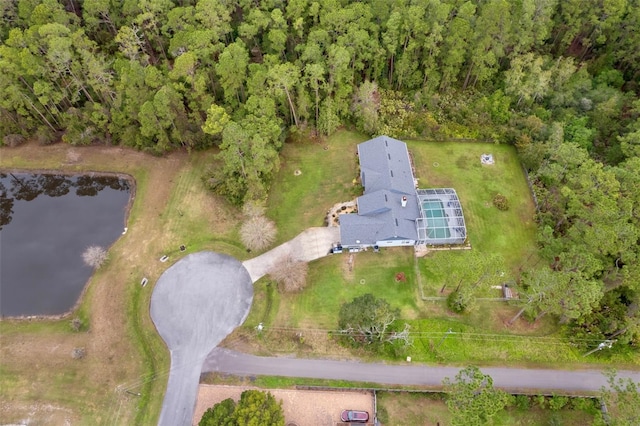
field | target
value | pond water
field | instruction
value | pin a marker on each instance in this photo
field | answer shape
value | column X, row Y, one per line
column 46, row 222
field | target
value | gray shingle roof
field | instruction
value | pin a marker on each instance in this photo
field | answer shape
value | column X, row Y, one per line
column 386, row 176
column 385, row 164
column 356, row 229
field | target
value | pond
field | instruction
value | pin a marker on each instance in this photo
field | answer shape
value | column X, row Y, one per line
column 47, row 221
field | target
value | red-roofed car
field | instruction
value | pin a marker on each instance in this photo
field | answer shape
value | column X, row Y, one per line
column 354, row 416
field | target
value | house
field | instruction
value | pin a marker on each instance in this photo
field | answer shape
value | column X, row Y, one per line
column 392, row 211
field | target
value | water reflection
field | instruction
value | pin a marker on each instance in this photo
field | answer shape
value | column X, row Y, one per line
column 46, row 222
column 27, row 187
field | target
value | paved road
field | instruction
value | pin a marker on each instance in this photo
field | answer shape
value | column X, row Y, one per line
column 309, row 245
column 512, row 379
column 195, row 304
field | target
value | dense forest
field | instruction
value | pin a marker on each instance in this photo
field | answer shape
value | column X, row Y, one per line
column 558, row 79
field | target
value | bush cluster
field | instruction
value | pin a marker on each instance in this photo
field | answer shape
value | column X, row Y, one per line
column 501, row 202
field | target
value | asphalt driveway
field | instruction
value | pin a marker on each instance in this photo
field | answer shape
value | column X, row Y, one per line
column 195, row 304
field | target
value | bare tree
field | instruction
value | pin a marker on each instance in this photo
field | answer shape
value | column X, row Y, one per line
column 94, row 256
column 257, row 233
column 403, row 336
column 289, row 273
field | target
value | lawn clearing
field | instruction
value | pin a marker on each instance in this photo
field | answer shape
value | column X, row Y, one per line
column 301, row 322
column 313, row 177
column 510, row 233
column 332, row 284
column 124, row 354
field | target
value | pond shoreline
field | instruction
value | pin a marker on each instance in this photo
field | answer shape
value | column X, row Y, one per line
column 131, row 182
column 124, row 176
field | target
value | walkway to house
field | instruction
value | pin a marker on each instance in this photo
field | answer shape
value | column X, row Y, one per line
column 311, row 244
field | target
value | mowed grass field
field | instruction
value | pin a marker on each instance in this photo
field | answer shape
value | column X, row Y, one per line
column 301, row 322
column 510, row 234
column 312, row 178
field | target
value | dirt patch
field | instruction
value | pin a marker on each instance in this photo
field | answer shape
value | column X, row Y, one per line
column 348, row 266
column 44, row 413
column 301, row 407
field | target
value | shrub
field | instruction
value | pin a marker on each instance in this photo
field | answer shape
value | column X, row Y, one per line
column 257, row 233
column 290, row 274
column 219, row 414
column 522, row 402
column 254, row 408
column 401, row 277
column 541, row 401
column 588, row 405
column 45, row 136
column 501, row 202
column 461, row 300
column 94, row 256
column 76, row 324
column 13, row 140
column 557, row 402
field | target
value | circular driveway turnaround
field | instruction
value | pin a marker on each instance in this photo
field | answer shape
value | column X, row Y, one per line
column 195, row 304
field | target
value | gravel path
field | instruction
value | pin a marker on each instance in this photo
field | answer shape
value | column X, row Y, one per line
column 196, row 303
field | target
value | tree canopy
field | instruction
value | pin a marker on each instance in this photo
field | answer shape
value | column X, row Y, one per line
column 622, row 398
column 372, row 321
column 472, row 400
column 255, row 408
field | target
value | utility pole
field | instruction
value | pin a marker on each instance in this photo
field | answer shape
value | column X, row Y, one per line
column 606, row 344
column 444, row 337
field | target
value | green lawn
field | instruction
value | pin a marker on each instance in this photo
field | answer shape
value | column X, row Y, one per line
column 331, row 285
column 299, row 201
column 510, row 233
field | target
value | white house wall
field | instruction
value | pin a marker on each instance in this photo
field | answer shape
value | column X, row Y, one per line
column 395, row 243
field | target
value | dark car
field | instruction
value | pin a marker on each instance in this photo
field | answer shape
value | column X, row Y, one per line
column 354, row 416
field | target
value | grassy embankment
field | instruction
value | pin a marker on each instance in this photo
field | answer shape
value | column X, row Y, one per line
column 430, row 409
column 38, row 378
column 299, row 322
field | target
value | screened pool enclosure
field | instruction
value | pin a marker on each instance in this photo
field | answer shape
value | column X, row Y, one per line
column 441, row 220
